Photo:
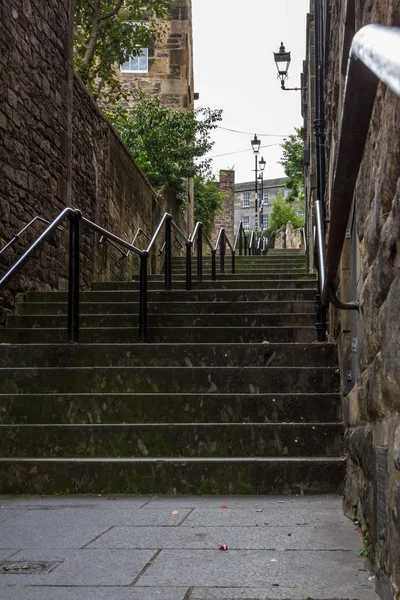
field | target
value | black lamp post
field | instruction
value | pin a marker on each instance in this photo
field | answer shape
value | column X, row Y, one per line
column 262, row 164
column 283, row 60
column 255, row 144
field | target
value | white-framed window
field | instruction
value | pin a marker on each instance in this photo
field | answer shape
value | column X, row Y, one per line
column 265, row 220
column 246, row 199
column 300, row 213
column 246, row 223
column 285, row 193
column 265, row 197
column 137, row 64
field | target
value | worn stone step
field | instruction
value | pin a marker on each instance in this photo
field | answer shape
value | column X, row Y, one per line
column 180, row 275
column 198, row 355
column 172, row 320
column 194, row 335
column 103, row 308
column 271, row 295
column 245, row 380
column 175, row 440
column 317, row 475
column 178, row 272
column 209, row 285
column 170, row 408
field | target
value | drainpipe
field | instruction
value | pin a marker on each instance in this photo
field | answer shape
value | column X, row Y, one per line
column 319, row 127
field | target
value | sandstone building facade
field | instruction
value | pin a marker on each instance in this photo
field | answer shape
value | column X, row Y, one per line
column 244, row 202
column 370, row 273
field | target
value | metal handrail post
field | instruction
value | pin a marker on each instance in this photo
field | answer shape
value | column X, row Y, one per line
column 214, row 265
column 233, row 262
column 200, row 253
column 143, row 299
column 188, row 266
column 240, row 240
column 222, row 250
column 73, row 279
column 168, row 267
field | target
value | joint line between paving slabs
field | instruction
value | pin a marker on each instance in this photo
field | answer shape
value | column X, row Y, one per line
column 96, row 538
column 145, row 568
column 147, row 502
column 188, row 593
column 184, row 518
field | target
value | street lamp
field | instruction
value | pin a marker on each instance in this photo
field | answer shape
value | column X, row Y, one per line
column 255, row 144
column 261, row 164
column 282, row 61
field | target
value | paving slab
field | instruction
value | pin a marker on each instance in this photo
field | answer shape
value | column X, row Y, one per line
column 252, row 568
column 237, row 538
column 76, row 527
column 145, row 548
column 289, row 515
column 86, row 567
column 83, row 593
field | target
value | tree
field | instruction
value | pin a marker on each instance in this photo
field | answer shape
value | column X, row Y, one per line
column 169, row 145
column 207, row 200
column 283, row 211
column 106, row 33
column 292, row 161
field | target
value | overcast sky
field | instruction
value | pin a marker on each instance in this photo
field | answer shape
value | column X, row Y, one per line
column 234, row 70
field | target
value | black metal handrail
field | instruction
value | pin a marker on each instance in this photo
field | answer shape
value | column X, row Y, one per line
column 240, row 238
column 374, row 57
column 196, row 240
column 17, row 236
column 76, row 218
column 221, row 243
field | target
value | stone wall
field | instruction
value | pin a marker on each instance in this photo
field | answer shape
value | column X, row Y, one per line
column 57, row 149
column 288, row 237
column 370, row 272
column 226, row 218
column 170, row 74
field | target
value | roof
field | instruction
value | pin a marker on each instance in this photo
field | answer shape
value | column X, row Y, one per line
column 268, row 183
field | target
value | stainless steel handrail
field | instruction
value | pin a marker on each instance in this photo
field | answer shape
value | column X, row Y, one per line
column 374, row 57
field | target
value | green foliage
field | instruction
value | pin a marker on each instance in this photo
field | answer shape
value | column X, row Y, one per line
column 207, row 200
column 292, row 161
column 283, row 211
column 106, row 33
column 169, row 145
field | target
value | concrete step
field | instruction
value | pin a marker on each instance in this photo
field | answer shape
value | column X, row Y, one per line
column 194, row 335
column 244, row 380
column 153, row 355
column 172, row 320
column 117, row 308
column 175, row 440
column 210, row 285
column 170, row 408
column 171, row 476
column 202, row 295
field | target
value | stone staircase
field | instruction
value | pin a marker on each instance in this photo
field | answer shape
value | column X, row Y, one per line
column 230, row 396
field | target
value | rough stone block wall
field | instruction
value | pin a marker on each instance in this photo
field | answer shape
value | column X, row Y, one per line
column 372, row 408
column 226, row 219
column 34, row 103
column 56, row 149
column 288, row 237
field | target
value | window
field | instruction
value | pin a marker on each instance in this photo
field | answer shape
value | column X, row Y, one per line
column 137, row 64
column 246, row 199
column 285, row 193
column 265, row 219
column 265, row 197
column 246, row 223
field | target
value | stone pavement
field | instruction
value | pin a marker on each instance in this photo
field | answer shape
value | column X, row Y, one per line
column 138, row 548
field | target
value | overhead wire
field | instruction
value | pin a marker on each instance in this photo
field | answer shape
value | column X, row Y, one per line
column 247, row 133
column 241, row 151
